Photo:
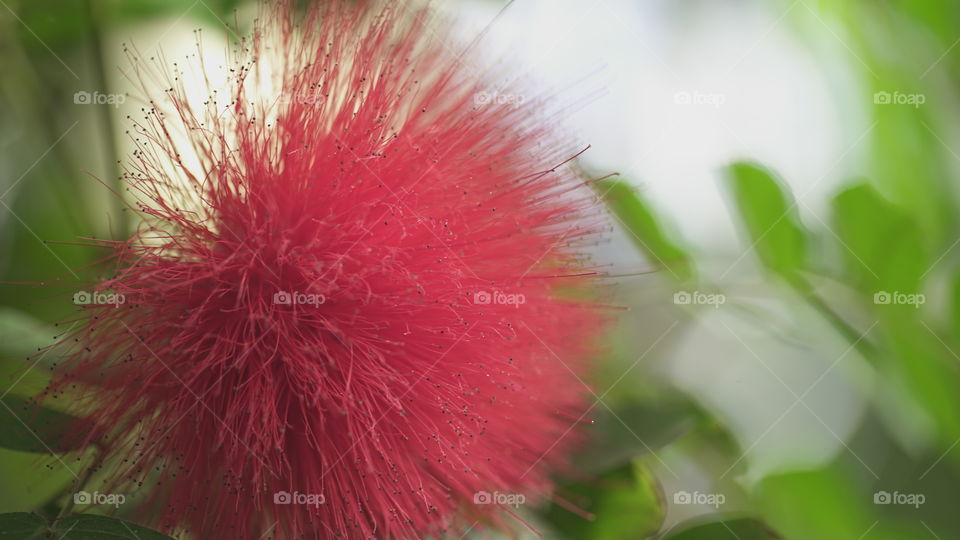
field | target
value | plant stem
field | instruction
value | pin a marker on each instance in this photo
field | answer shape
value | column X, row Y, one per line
column 854, row 336
column 106, row 118
column 81, row 482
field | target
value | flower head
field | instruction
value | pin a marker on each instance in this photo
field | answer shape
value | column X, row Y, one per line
column 358, row 301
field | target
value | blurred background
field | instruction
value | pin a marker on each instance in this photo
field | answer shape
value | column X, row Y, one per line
column 784, row 237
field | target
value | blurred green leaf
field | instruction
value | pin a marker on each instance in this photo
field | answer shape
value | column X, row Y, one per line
column 26, row 427
column 126, row 11
column 814, row 504
column 627, row 504
column 885, row 256
column 644, row 227
column 769, row 217
column 21, row 369
column 907, row 156
column 827, row 503
column 91, row 527
column 217, row 13
column 925, row 366
column 910, row 162
column 20, row 526
column 882, row 245
column 29, row 483
column 20, row 334
column 734, row 529
column 661, row 420
column 61, row 26
column 955, row 307
column 24, row 526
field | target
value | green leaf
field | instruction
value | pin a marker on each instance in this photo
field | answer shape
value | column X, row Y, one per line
column 626, row 503
column 885, row 256
column 909, row 160
column 124, row 11
column 638, row 218
column 955, row 307
column 822, row 503
column 23, row 526
column 733, row 529
column 814, row 504
column 29, row 483
column 91, row 527
column 882, row 245
column 924, row 365
column 20, row 526
column 26, row 427
column 828, row 503
column 21, row 334
column 661, row 418
column 769, row 217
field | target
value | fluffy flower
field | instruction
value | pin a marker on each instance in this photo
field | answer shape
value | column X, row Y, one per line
column 358, row 300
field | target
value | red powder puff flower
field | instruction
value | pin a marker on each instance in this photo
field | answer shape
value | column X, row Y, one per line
column 357, row 305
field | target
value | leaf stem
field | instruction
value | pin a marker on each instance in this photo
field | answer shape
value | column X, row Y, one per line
column 856, row 338
column 81, row 482
column 106, row 118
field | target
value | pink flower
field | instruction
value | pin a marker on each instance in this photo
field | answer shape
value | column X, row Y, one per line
column 362, row 308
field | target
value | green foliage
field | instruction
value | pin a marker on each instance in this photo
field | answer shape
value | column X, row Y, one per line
column 26, row 427
column 23, row 526
column 30, row 481
column 739, row 529
column 925, row 365
column 885, row 257
column 815, row 504
column 626, row 503
column 769, row 218
column 644, row 228
column 828, row 503
column 881, row 244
